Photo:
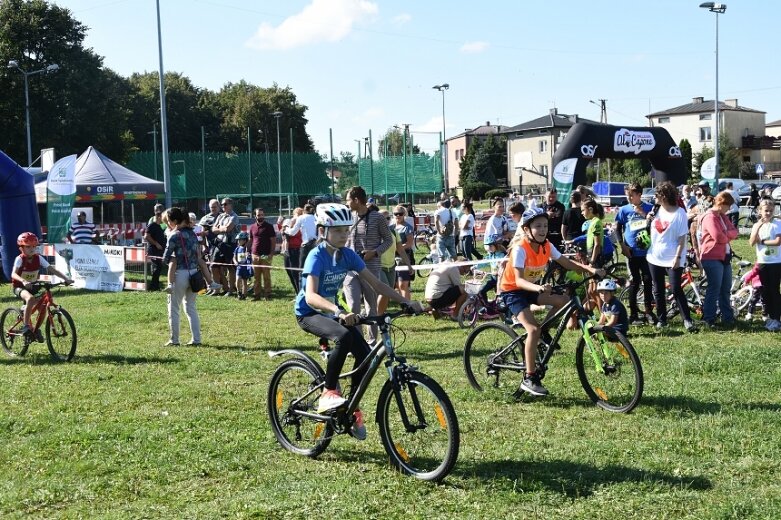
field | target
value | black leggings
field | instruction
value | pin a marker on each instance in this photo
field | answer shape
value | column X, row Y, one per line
column 640, row 275
column 660, row 292
column 770, row 275
column 346, row 339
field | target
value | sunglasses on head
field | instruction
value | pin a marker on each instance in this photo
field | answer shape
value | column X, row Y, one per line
column 399, row 214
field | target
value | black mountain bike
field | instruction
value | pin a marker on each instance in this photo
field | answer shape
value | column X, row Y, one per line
column 608, row 366
column 417, row 422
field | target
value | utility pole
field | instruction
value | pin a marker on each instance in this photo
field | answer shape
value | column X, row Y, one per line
column 602, row 119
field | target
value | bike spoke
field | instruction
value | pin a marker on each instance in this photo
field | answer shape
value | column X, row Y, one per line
column 14, row 344
column 489, row 365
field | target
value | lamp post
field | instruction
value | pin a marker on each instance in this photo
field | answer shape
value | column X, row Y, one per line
column 277, row 115
column 442, row 88
column 13, row 64
column 718, row 9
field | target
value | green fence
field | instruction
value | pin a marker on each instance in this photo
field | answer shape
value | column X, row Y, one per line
column 390, row 175
column 303, row 173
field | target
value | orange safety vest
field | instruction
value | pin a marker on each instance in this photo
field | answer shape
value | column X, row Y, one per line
column 533, row 271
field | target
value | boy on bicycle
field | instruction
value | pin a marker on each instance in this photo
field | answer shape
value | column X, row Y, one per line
column 317, row 313
column 26, row 269
column 520, row 286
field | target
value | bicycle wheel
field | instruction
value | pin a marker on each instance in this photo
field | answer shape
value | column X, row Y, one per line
column 426, row 260
column 695, row 302
column 741, row 298
column 13, row 344
column 489, row 364
column 617, row 271
column 418, row 426
column 623, row 297
column 422, row 244
column 610, row 373
column 467, row 313
column 298, row 434
column 60, row 335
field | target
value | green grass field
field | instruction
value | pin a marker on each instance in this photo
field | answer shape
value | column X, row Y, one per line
column 131, row 429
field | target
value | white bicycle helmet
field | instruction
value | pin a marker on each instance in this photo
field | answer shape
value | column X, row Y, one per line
column 530, row 214
column 607, row 285
column 330, row 214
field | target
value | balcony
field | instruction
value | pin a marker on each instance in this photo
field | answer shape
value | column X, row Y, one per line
column 757, row 142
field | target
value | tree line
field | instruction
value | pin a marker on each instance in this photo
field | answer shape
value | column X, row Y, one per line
column 85, row 103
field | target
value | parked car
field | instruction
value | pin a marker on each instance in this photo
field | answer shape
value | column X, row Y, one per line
column 648, row 195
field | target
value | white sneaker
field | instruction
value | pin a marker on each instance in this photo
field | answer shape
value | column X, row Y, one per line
column 749, row 317
column 329, row 400
column 169, row 288
column 214, row 286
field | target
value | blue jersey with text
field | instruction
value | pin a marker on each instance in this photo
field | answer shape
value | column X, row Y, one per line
column 633, row 223
column 330, row 272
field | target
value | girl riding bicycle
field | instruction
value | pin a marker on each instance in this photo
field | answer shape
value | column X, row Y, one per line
column 26, row 269
column 520, row 286
column 324, row 271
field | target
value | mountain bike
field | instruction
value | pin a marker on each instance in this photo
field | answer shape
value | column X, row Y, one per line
column 426, row 239
column 417, row 423
column 608, row 366
column 60, row 331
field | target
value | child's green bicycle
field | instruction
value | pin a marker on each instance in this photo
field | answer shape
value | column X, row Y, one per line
column 608, row 366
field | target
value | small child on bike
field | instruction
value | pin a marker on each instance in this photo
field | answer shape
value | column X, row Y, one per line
column 752, row 278
column 520, row 286
column 243, row 261
column 613, row 312
column 317, row 312
column 26, row 269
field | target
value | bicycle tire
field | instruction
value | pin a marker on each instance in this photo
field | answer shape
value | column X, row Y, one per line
column 741, row 298
column 424, row 272
column 617, row 385
column 467, row 313
column 297, row 434
column 422, row 244
column 481, row 348
column 618, row 271
column 13, row 345
column 427, row 448
column 61, row 338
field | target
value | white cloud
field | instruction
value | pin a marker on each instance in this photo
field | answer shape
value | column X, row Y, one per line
column 320, row 21
column 432, row 125
column 474, row 47
column 401, row 19
column 369, row 115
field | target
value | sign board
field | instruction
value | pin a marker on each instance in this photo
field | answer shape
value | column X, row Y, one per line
column 100, row 268
column 760, row 169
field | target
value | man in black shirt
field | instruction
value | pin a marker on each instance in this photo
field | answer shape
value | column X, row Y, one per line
column 155, row 246
column 555, row 211
column 572, row 222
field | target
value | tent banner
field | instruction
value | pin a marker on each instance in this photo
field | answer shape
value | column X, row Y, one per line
column 61, row 192
column 99, row 268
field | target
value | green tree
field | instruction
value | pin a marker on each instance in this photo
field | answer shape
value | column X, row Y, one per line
column 467, row 161
column 80, row 105
column 394, row 137
column 686, row 151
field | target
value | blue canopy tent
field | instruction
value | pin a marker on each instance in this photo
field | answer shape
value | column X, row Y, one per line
column 18, row 212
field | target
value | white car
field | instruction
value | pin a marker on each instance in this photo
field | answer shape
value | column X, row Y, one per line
column 776, row 193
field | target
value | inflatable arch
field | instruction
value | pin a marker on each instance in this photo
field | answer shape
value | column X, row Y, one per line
column 588, row 141
column 18, row 212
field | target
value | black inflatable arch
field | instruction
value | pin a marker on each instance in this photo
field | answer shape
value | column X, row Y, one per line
column 588, row 141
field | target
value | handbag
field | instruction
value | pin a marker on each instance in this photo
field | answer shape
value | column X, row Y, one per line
column 197, row 281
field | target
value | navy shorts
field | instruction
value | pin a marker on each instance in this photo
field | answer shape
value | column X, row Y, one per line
column 517, row 301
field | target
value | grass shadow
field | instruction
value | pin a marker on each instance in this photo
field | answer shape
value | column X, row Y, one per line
column 572, row 479
column 108, row 359
column 677, row 402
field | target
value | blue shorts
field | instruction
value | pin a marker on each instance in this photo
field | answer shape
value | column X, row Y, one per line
column 517, row 301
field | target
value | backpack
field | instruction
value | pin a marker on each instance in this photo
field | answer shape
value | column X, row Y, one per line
column 447, row 229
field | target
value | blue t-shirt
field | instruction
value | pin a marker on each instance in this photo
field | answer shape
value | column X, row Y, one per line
column 633, row 223
column 616, row 308
column 331, row 274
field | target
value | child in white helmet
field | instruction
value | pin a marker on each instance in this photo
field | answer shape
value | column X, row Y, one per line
column 613, row 311
column 315, row 308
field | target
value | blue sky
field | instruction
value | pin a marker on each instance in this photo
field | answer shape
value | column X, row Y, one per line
column 370, row 64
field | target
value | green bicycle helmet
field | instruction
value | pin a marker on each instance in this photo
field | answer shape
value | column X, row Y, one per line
column 643, row 239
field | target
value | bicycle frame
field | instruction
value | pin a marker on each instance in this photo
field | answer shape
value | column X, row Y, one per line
column 41, row 307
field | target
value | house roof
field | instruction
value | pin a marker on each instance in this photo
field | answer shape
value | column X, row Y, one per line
column 774, row 123
column 700, row 105
column 483, row 130
column 550, row 120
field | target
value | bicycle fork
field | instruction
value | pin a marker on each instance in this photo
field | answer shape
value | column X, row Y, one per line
column 605, row 353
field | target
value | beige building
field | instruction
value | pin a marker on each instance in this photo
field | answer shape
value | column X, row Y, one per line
column 695, row 122
column 773, row 129
column 456, row 147
column 530, row 149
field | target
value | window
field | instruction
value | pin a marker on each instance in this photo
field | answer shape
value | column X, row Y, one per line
column 705, row 117
column 543, row 146
column 705, row 134
column 663, row 120
column 544, row 170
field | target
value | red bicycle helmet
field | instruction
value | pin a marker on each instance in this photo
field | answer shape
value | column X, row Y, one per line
column 27, row 239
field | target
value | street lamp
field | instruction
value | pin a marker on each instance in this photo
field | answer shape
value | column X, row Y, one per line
column 277, row 115
column 442, row 88
column 718, row 9
column 13, row 64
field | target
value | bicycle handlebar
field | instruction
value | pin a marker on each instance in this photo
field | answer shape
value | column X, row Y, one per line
column 561, row 288
column 41, row 284
column 406, row 310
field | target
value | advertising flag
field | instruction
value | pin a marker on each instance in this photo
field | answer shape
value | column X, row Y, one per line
column 61, row 192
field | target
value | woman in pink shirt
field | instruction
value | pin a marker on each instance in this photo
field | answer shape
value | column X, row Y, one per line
column 717, row 231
